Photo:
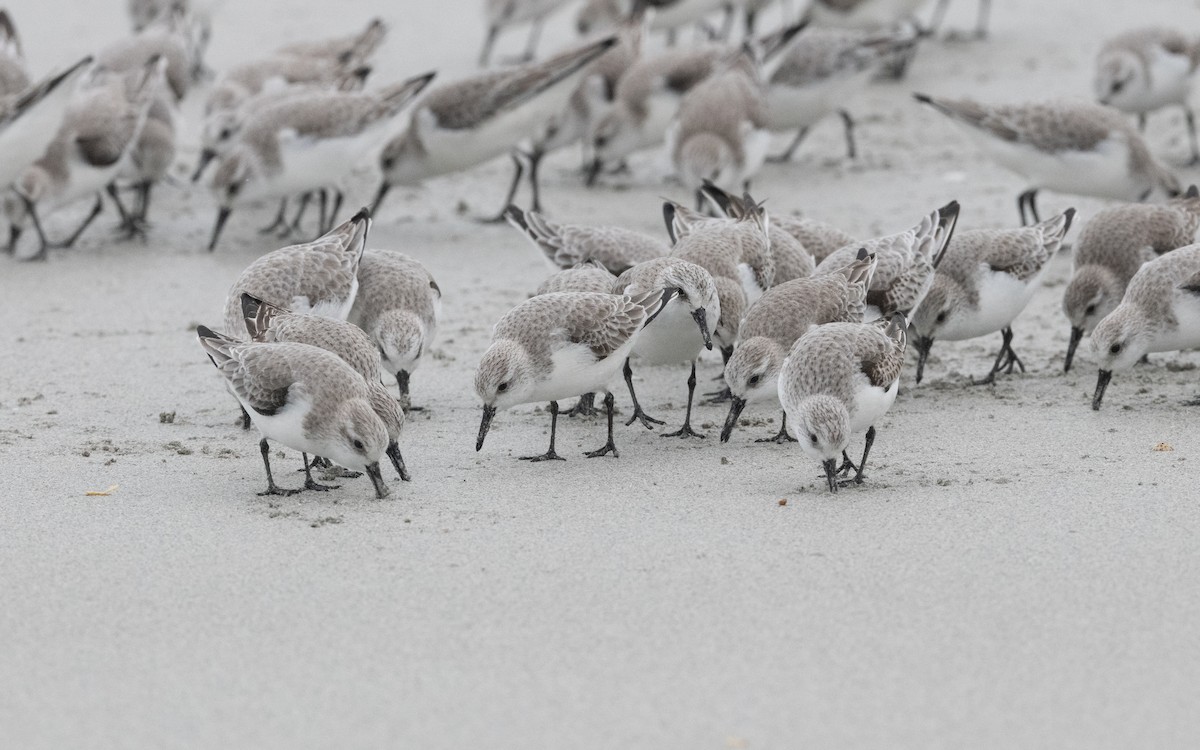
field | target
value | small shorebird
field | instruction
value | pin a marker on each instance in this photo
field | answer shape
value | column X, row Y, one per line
column 1069, row 147
column 568, row 245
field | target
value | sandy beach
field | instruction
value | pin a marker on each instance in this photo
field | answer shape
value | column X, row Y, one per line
column 1019, row 571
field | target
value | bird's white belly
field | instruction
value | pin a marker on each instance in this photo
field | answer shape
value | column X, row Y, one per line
column 576, row 371
column 1186, row 335
column 1002, row 297
column 1170, row 83
column 287, row 424
column 1102, row 171
column 870, row 403
column 670, row 338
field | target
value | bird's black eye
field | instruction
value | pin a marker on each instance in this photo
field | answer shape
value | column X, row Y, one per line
column 1117, row 86
column 502, row 387
column 358, row 445
column 225, row 134
column 813, row 438
column 388, row 163
column 754, row 379
column 1091, row 310
column 682, row 294
column 941, row 318
column 1115, row 348
column 600, row 141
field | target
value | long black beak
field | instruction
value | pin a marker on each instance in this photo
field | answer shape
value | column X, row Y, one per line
column 1076, row 337
column 222, row 217
column 393, row 452
column 831, row 473
column 701, row 317
column 381, row 489
column 924, row 344
column 384, row 187
column 593, row 172
column 735, row 410
column 206, row 156
column 488, row 413
column 1101, row 384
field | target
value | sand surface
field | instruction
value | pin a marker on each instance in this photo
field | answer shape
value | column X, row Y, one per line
column 1020, row 571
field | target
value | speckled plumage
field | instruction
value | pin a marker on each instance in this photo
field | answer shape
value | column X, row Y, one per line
column 601, row 322
column 356, row 48
column 906, row 262
column 590, row 276
column 816, row 237
column 318, row 277
column 1114, row 244
column 568, row 245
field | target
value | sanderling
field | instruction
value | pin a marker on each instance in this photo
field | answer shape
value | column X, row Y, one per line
column 359, row 46
column 241, row 82
column 590, row 101
column 737, row 249
column 91, row 148
column 307, row 398
column 1143, row 70
column 559, row 345
column 267, row 323
column 668, row 15
column 820, row 74
column 14, row 76
column 784, row 314
column 318, row 277
column 720, row 131
column 985, row 280
column 467, row 122
column 398, row 305
column 838, row 380
column 304, row 143
column 568, row 245
column 30, row 121
column 646, row 100
column 1111, row 248
column 502, row 13
column 132, row 53
column 678, row 332
column 818, row 238
column 906, row 263
column 589, row 276
column 1159, row 313
column 1069, row 147
column 792, row 261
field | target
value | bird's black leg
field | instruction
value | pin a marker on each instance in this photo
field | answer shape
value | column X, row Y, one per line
column 848, row 126
column 786, row 156
column 782, row 436
column 518, row 170
column 531, row 43
column 97, row 207
column 1001, row 359
column 584, row 407
column 31, row 209
column 535, row 161
column 486, row 53
column 638, row 414
column 549, row 455
column 290, row 229
column 1190, row 117
column 309, row 484
column 847, row 465
column 1142, row 122
column 280, row 219
column 686, row 430
column 402, row 377
column 245, row 419
column 322, row 210
column 610, row 446
column 272, row 488
column 858, row 474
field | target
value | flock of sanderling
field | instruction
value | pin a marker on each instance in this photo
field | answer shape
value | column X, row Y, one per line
column 803, row 313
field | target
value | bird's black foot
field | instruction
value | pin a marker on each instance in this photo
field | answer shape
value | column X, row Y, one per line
column 641, row 416
column 718, row 397
column 549, row 455
column 309, row 484
column 584, row 407
column 608, row 447
column 275, row 489
column 1192, row 402
column 684, row 432
column 781, row 438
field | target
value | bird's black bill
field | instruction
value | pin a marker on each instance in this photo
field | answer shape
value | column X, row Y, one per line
column 485, row 425
column 831, row 469
column 923, row 346
column 393, row 453
column 1076, row 337
column 735, row 410
column 206, row 156
column 384, row 187
column 381, row 489
column 1101, row 384
column 222, row 217
column 701, row 317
